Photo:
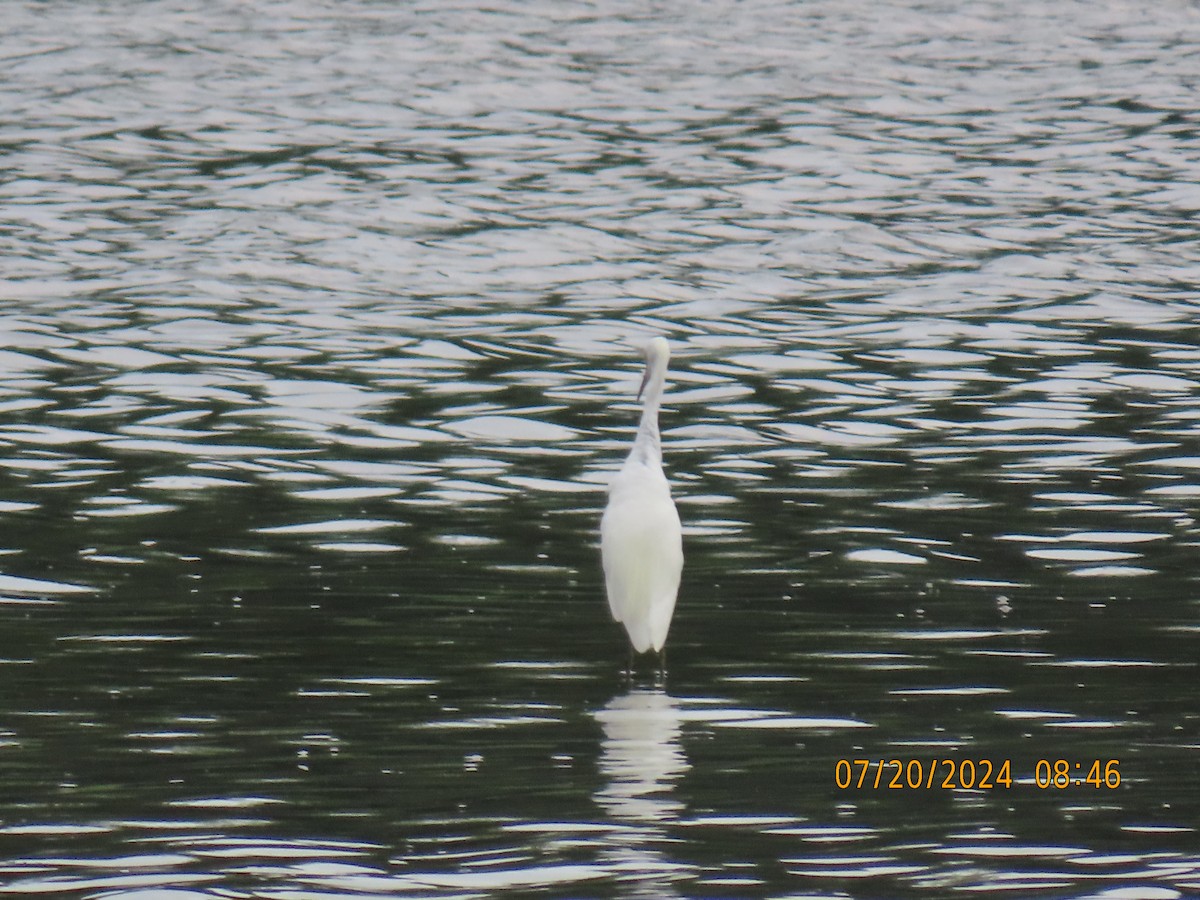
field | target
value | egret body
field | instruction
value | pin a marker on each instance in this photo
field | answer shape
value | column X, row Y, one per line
column 641, row 542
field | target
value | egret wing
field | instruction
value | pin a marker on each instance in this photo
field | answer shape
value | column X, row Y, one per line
column 642, row 552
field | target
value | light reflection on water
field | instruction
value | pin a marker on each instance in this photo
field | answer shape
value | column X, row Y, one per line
column 316, row 358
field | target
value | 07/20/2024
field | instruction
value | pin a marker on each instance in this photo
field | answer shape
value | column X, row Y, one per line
column 970, row 774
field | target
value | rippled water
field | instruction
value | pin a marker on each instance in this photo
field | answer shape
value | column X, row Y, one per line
column 316, row 360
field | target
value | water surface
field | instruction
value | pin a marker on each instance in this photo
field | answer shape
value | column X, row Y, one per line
column 318, row 352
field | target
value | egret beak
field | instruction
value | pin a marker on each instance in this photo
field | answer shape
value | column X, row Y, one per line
column 645, row 379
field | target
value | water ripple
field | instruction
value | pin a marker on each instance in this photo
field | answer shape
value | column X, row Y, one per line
column 928, row 278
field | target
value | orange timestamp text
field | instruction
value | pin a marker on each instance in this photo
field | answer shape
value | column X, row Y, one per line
column 971, row 774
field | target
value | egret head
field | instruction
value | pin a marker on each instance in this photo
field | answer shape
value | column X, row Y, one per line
column 658, row 353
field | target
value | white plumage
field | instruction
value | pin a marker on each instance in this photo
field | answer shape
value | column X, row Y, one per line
column 641, row 542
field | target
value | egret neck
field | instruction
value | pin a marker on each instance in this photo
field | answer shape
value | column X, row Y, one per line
column 647, row 446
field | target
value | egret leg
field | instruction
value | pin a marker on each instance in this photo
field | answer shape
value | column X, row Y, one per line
column 662, row 665
column 629, row 663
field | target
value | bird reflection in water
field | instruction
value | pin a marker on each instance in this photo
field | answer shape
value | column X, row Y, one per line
column 641, row 758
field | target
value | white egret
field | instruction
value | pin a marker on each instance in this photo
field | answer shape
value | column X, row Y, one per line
column 641, row 542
